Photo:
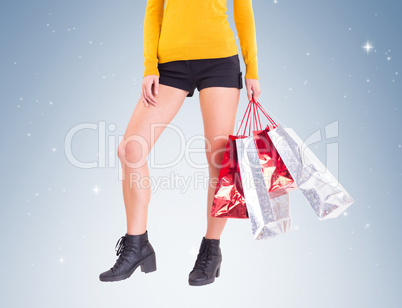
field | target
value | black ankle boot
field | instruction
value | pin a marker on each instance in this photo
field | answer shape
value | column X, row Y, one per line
column 208, row 263
column 133, row 250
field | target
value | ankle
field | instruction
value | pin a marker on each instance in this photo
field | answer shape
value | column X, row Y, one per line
column 136, row 233
column 211, row 237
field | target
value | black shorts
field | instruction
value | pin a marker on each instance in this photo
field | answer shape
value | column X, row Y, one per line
column 201, row 73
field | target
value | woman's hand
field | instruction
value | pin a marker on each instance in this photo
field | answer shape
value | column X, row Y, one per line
column 150, row 87
column 253, row 89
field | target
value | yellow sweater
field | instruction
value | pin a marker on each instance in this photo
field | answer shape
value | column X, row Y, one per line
column 197, row 29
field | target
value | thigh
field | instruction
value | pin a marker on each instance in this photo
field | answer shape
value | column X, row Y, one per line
column 147, row 123
column 218, row 108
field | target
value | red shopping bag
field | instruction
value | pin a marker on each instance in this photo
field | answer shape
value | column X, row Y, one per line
column 229, row 197
column 277, row 177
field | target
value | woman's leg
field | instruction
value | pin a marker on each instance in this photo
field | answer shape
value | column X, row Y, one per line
column 218, row 107
column 135, row 147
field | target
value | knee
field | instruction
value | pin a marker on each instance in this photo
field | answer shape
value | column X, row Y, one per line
column 132, row 153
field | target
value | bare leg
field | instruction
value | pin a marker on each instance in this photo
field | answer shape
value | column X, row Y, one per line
column 218, row 107
column 135, row 147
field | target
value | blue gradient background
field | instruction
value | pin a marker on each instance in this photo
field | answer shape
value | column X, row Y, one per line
column 64, row 63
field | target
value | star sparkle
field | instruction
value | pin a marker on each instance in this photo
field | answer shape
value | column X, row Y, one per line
column 368, row 47
column 96, row 189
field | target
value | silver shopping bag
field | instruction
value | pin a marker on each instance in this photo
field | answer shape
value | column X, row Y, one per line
column 268, row 217
column 322, row 190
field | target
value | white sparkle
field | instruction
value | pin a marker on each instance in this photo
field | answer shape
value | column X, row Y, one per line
column 368, row 46
column 50, row 103
column 54, row 149
column 96, row 189
column 367, row 226
column 29, row 134
column 345, row 214
column 389, row 58
column 61, row 260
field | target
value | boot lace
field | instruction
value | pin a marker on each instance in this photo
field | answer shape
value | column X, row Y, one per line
column 203, row 257
column 120, row 251
column 120, row 243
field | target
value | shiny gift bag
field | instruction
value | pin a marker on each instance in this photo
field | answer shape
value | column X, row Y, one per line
column 229, row 199
column 322, row 190
column 269, row 217
column 253, row 181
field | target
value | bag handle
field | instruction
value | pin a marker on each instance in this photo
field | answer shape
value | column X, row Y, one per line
column 252, row 117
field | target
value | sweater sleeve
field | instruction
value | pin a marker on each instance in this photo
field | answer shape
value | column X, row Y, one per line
column 152, row 28
column 245, row 26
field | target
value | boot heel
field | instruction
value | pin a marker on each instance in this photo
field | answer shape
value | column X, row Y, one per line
column 149, row 264
column 218, row 271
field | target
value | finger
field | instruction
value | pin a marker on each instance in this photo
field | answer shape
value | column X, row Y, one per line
column 249, row 94
column 143, row 98
column 156, row 85
column 257, row 94
column 148, row 90
column 147, row 99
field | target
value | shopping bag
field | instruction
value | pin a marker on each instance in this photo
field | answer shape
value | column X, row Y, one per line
column 277, row 178
column 267, row 199
column 229, row 199
column 268, row 217
column 326, row 195
column 264, row 177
